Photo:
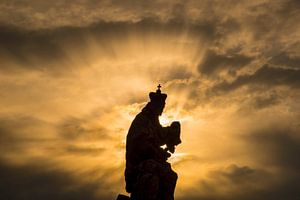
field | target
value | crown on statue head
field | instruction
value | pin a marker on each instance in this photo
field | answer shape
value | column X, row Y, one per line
column 157, row 96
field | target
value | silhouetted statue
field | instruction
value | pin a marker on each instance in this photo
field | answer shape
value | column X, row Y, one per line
column 148, row 175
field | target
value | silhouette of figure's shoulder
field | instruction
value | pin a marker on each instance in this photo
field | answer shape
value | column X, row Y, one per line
column 141, row 118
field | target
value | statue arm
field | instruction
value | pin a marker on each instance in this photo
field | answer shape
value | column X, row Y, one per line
column 170, row 136
column 145, row 143
column 163, row 134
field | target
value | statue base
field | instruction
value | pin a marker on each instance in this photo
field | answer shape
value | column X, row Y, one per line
column 123, row 197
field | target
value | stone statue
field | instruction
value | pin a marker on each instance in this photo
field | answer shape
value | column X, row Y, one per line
column 148, row 175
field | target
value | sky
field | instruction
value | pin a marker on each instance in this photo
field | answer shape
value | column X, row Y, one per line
column 73, row 75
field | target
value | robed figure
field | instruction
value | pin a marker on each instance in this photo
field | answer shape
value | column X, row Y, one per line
column 148, row 175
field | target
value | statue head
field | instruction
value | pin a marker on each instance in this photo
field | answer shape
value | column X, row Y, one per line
column 157, row 101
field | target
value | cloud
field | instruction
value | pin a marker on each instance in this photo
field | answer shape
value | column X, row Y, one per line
column 84, row 150
column 213, row 62
column 278, row 148
column 241, row 182
column 266, row 101
column 28, row 49
column 284, row 59
column 35, row 14
column 48, row 50
column 16, row 130
column 74, row 128
column 38, row 162
column 24, row 138
column 36, row 181
column 264, row 76
column 273, row 173
column 230, row 182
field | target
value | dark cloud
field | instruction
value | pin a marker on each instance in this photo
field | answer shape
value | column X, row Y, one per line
column 47, row 49
column 278, row 147
column 42, row 182
column 20, row 129
column 180, row 72
column 233, row 182
column 284, row 59
column 35, row 14
column 172, row 73
column 265, row 76
column 28, row 49
column 235, row 174
column 266, row 100
column 267, row 17
column 18, row 134
column 213, row 62
column 74, row 128
column 244, row 183
column 72, row 149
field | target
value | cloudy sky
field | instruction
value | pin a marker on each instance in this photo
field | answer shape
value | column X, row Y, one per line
column 73, row 74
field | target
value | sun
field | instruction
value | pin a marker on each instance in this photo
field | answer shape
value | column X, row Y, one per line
column 164, row 120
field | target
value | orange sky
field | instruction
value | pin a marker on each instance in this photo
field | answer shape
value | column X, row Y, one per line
column 73, row 74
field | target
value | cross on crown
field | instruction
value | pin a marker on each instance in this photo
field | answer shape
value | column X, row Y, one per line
column 158, row 89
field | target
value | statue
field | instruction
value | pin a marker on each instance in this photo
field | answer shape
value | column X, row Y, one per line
column 148, row 175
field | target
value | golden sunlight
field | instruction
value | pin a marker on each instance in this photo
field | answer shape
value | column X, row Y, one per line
column 74, row 74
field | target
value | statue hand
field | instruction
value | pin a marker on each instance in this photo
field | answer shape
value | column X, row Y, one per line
column 173, row 137
column 166, row 155
column 163, row 155
column 175, row 126
column 171, row 148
